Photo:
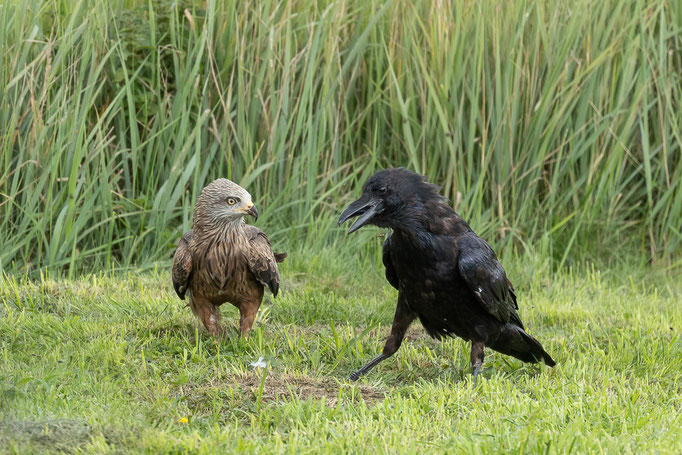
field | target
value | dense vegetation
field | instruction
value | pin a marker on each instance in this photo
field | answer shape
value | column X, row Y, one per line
column 553, row 125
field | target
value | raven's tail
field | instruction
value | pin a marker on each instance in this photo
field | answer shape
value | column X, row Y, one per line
column 514, row 341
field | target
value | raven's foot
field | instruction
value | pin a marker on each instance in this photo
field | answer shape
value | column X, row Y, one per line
column 474, row 374
column 356, row 375
column 372, row 363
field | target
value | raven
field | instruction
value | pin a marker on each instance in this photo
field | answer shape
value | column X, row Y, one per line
column 445, row 274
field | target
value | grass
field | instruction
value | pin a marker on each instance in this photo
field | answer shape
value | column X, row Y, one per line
column 553, row 125
column 114, row 363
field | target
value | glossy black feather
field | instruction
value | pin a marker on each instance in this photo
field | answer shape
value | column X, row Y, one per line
column 485, row 278
column 386, row 258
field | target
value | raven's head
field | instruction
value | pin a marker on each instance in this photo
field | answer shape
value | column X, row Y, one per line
column 223, row 201
column 393, row 198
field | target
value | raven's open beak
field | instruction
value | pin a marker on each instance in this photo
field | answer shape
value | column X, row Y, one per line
column 364, row 208
column 251, row 210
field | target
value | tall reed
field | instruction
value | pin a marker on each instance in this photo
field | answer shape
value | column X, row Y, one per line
column 552, row 125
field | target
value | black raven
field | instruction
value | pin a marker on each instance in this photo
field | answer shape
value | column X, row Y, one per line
column 445, row 274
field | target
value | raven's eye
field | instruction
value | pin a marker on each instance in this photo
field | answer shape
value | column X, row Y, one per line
column 231, row 201
column 381, row 190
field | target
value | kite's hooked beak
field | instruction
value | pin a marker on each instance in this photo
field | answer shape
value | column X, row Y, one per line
column 251, row 210
column 364, row 208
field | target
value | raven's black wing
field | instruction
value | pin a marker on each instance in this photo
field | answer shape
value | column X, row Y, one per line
column 486, row 279
column 390, row 271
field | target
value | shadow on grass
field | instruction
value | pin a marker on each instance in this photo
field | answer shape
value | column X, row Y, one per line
column 54, row 436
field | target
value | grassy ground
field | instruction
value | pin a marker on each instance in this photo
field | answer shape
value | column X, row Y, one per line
column 115, row 363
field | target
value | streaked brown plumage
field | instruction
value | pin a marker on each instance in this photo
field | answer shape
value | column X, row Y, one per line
column 223, row 259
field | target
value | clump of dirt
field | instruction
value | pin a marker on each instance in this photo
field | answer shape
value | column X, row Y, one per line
column 287, row 387
column 278, row 387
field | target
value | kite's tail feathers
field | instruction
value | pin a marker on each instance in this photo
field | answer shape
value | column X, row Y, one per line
column 279, row 257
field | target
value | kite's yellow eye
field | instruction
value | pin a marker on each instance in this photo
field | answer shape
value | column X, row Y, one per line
column 231, row 201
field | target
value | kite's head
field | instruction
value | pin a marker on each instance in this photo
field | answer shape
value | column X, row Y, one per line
column 224, row 201
column 392, row 198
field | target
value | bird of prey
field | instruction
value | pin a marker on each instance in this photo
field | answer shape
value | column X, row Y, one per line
column 445, row 274
column 223, row 259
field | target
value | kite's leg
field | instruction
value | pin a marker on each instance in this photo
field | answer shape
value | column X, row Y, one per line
column 208, row 313
column 248, row 314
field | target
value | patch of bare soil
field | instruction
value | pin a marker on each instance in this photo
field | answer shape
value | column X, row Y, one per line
column 280, row 388
column 288, row 387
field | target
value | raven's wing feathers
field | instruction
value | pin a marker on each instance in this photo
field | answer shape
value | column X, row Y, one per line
column 182, row 265
column 262, row 261
column 391, row 276
column 486, row 279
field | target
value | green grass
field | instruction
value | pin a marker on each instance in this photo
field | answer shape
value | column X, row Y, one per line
column 114, row 363
column 553, row 125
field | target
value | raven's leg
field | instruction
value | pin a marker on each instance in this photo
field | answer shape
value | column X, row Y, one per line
column 401, row 321
column 477, row 356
